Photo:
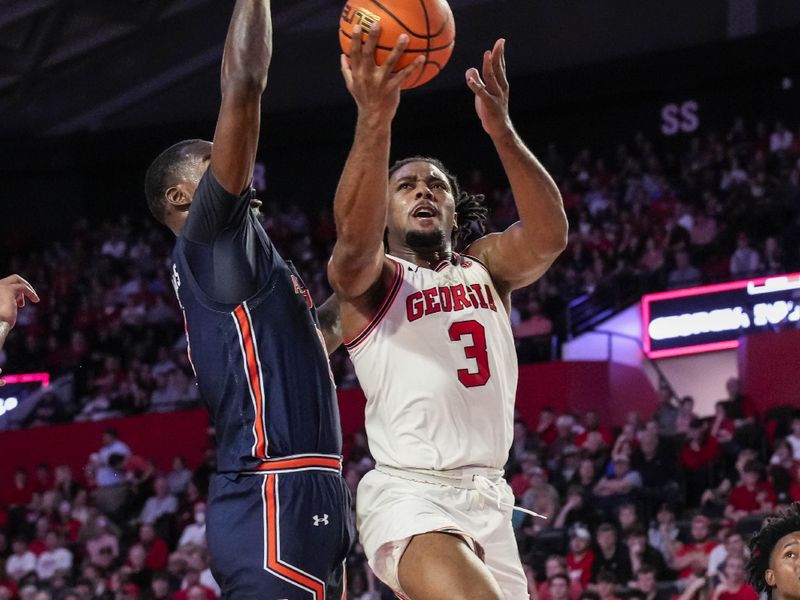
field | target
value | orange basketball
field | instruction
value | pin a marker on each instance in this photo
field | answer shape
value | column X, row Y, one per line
column 429, row 25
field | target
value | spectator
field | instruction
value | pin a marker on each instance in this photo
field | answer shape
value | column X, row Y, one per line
column 591, row 422
column 21, row 562
column 751, row 497
column 618, row 487
column 556, row 566
column 606, row 584
column 646, row 583
column 157, row 551
column 109, row 459
column 160, row 504
column 794, row 437
column 684, row 274
column 103, row 547
column 780, row 139
column 745, row 261
column 556, row 588
column 698, row 459
column 21, row 491
column 657, row 468
column 56, row 559
column 692, row 558
column 610, row 558
column 666, row 414
column 580, row 559
column 195, row 533
column 640, row 553
column 686, row 415
column 733, row 585
column 733, row 546
column 179, row 477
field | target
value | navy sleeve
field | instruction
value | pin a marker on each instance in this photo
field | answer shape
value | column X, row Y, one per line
column 228, row 255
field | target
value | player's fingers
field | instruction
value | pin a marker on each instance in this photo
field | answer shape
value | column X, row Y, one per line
column 397, row 52
column 488, row 74
column 499, row 64
column 406, row 73
column 355, row 46
column 475, row 84
column 347, row 72
column 373, row 35
column 26, row 288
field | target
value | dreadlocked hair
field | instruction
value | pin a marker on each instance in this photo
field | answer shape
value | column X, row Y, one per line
column 763, row 543
column 471, row 209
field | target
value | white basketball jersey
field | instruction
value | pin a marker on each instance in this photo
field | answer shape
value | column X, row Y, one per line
column 439, row 369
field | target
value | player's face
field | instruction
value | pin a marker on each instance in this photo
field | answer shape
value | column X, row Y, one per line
column 784, row 567
column 421, row 205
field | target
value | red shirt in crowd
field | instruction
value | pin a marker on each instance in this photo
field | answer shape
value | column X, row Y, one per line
column 184, row 594
column 745, row 592
column 543, row 590
column 157, row 555
column 19, row 496
column 580, row 569
column 704, row 547
column 708, row 452
column 742, row 498
column 604, row 432
column 37, row 546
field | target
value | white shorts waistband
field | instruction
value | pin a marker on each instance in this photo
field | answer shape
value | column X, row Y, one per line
column 459, row 478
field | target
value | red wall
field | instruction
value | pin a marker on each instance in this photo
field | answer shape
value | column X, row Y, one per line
column 609, row 388
column 769, row 367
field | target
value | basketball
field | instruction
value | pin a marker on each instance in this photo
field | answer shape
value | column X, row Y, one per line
column 428, row 23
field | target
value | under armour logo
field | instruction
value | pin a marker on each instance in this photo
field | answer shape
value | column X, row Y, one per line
column 322, row 521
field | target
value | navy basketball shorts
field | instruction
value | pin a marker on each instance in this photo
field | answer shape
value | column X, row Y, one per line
column 281, row 533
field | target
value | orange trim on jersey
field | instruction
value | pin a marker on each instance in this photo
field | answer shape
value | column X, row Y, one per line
column 387, row 302
column 254, row 380
column 272, row 560
column 294, row 463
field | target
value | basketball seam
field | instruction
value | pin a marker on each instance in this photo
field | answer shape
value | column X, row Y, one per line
column 427, row 42
column 407, row 50
column 404, row 26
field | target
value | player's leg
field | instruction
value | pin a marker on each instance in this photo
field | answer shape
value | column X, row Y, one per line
column 441, row 565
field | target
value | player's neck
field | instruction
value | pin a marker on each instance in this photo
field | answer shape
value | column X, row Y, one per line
column 427, row 258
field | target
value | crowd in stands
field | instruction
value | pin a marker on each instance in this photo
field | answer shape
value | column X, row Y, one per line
column 660, row 509
column 642, row 219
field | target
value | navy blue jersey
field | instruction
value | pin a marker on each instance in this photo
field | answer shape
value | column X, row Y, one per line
column 259, row 357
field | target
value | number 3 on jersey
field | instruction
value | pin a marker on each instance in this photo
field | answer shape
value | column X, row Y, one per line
column 476, row 351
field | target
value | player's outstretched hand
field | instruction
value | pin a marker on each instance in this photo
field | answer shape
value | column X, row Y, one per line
column 491, row 90
column 375, row 88
column 13, row 291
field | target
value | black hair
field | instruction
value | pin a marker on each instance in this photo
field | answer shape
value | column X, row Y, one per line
column 471, row 209
column 162, row 173
column 763, row 543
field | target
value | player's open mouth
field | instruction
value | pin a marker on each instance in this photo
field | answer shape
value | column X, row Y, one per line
column 424, row 212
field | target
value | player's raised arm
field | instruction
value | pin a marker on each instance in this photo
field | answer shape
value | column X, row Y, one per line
column 248, row 50
column 362, row 195
column 522, row 253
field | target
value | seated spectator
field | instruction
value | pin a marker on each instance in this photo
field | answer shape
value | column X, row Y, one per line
column 618, row 487
column 640, row 553
column 610, row 558
column 656, row 466
column 195, row 533
column 103, row 547
column 20, row 492
column 556, row 566
column 106, row 464
column 160, row 504
column 733, row 582
column 533, row 323
column 684, row 275
column 557, row 587
column 783, row 456
column 576, row 510
column 159, row 587
column 591, row 422
column 794, row 437
column 22, row 561
column 733, row 545
column 745, row 260
column 139, row 574
column 39, row 542
column 157, row 551
column 586, row 476
column 691, row 559
column 646, row 583
column 627, row 518
column 546, row 427
column 55, row 559
column 581, row 556
column 606, row 586
column 179, row 477
column 752, row 496
column 192, row 589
